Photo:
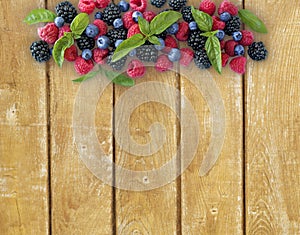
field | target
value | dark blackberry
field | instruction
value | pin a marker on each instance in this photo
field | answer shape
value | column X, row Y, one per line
column 115, row 34
column 118, row 65
column 147, row 53
column 158, row 3
column 196, row 41
column 257, row 51
column 110, row 13
column 201, row 59
column 66, row 10
column 177, row 4
column 162, row 35
column 232, row 25
column 187, row 14
column 40, row 51
column 84, row 42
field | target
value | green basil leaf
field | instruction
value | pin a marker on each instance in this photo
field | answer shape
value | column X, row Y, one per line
column 119, row 79
column 60, row 46
column 39, row 15
column 203, row 20
column 154, row 40
column 213, row 50
column 79, row 24
column 209, row 34
column 252, row 21
column 127, row 45
column 163, row 21
column 86, row 76
column 144, row 26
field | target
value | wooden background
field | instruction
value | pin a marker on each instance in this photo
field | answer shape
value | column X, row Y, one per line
column 253, row 189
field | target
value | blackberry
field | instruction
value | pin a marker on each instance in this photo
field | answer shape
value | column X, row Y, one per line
column 187, row 14
column 201, row 59
column 158, row 3
column 196, row 41
column 40, row 51
column 110, row 13
column 162, row 35
column 115, row 34
column 66, row 10
column 232, row 25
column 177, row 4
column 147, row 53
column 257, row 51
column 84, row 42
column 118, row 65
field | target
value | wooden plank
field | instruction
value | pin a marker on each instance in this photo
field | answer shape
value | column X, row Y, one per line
column 23, row 126
column 213, row 204
column 273, row 124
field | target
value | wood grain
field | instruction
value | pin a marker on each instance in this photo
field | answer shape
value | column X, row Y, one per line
column 273, row 124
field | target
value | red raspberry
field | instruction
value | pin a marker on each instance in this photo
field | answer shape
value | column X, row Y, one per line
column 229, row 7
column 83, row 66
column 163, row 63
column 217, row 23
column 238, row 64
column 138, row 5
column 86, row 6
column 101, row 3
column 170, row 43
column 187, row 56
column 71, row 53
column 101, row 26
column 225, row 59
column 208, row 7
column 63, row 30
column 229, row 47
column 127, row 19
column 183, row 32
column 222, row 44
column 49, row 33
column 134, row 29
column 247, row 38
column 149, row 15
column 99, row 55
column 136, row 69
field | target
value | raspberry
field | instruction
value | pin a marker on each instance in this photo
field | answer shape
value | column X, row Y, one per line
column 222, row 44
column 225, row 59
column 229, row 47
column 136, row 69
column 83, row 66
column 229, row 7
column 101, row 3
column 49, row 33
column 247, row 38
column 71, row 53
column 63, row 30
column 138, row 5
column 134, row 29
column 183, row 32
column 208, row 7
column 170, row 43
column 149, row 15
column 238, row 64
column 187, row 56
column 163, row 63
column 99, row 55
column 217, row 23
column 86, row 6
column 101, row 26
column 127, row 19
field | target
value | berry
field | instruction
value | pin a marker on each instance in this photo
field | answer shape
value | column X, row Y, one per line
column 220, row 34
column 229, row 7
column 71, row 53
column 127, row 19
column 238, row 64
column 239, row 50
column 247, row 38
column 173, row 29
column 232, row 25
column 132, row 53
column 98, row 15
column 225, row 59
column 177, row 4
column 208, row 7
column 87, row 54
column 217, row 24
column 183, row 32
column 147, row 53
column 118, row 42
column 103, row 42
column 187, row 14
column 110, row 13
column 101, row 3
column 187, row 56
column 134, row 29
column 83, row 66
column 237, row 36
column 85, row 42
column 123, row 5
column 86, row 6
column 149, row 15
column 229, row 47
column 63, row 30
column 158, row 3
column 196, row 41
column 91, row 31
column 40, row 51
column 66, row 10
column 201, row 59
column 136, row 15
column 161, row 46
column 115, row 34
column 136, row 69
column 193, row 25
column 170, row 43
column 257, row 51
column 174, row 54
column 59, row 22
column 99, row 55
column 222, row 44
column 225, row 16
column 101, row 26
column 163, row 63
column 49, row 33
column 138, row 5
column 117, row 65
column 118, row 23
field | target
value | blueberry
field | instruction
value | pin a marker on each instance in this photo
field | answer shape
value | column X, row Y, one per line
column 193, row 25
column 91, row 31
column 237, row 36
column 118, row 23
column 135, row 16
column 239, row 50
column 103, row 42
column 161, row 46
column 132, row 53
column 98, row 15
column 174, row 54
column 220, row 34
column 225, row 16
column 87, row 54
column 59, row 22
column 123, row 5
column 173, row 29
column 118, row 42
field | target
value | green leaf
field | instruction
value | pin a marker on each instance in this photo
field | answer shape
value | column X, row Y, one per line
column 79, row 24
column 213, row 50
column 86, row 76
column 119, row 79
column 60, row 46
column 127, row 45
column 252, row 21
column 39, row 15
column 163, row 21
column 144, row 26
column 154, row 40
column 203, row 20
column 209, row 34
